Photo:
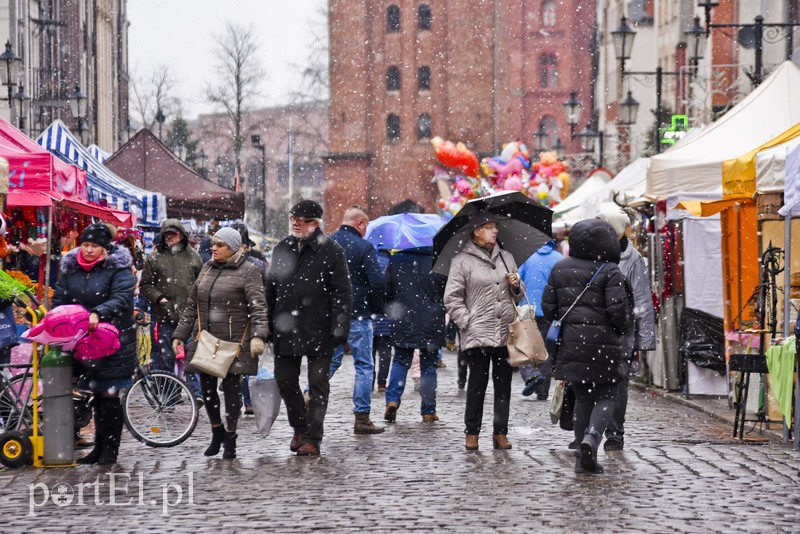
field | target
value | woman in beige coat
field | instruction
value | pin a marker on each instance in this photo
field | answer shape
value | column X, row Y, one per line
column 482, row 287
column 229, row 299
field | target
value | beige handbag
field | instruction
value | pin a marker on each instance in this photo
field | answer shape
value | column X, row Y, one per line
column 525, row 343
column 212, row 355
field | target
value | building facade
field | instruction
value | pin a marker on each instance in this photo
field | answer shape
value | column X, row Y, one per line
column 483, row 72
column 63, row 46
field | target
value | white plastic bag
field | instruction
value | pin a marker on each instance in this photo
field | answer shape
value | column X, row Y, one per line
column 265, row 398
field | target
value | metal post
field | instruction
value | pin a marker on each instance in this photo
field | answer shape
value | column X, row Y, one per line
column 601, row 140
column 659, row 79
column 759, row 38
column 264, row 188
column 291, row 172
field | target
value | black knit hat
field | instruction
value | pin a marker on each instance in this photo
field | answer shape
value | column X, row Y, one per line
column 99, row 234
column 308, row 209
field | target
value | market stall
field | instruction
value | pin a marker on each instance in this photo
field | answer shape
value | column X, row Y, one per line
column 104, row 186
column 145, row 162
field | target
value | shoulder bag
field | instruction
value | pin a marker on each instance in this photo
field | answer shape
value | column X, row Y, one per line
column 214, row 356
column 525, row 344
column 554, row 332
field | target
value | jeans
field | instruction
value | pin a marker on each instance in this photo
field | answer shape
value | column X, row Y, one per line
column 164, row 357
column 360, row 341
column 383, row 351
column 478, row 360
column 616, row 427
column 307, row 420
column 594, row 407
column 530, row 372
column 427, row 382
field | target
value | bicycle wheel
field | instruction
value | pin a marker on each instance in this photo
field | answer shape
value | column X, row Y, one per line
column 159, row 410
column 16, row 404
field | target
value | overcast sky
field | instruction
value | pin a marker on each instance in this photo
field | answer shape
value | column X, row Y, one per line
column 178, row 33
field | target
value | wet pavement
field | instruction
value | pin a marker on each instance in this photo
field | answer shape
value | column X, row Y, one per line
column 680, row 472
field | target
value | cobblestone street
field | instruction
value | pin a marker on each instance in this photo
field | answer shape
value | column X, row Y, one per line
column 680, row 472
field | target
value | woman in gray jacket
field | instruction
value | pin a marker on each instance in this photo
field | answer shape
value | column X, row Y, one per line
column 482, row 288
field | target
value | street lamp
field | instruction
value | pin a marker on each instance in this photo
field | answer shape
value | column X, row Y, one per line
column 10, row 75
column 697, row 36
column 588, row 137
column 630, row 109
column 24, row 103
column 541, row 137
column 78, row 109
column 572, row 111
column 758, row 35
column 559, row 148
column 160, row 118
column 622, row 38
column 202, row 156
column 255, row 140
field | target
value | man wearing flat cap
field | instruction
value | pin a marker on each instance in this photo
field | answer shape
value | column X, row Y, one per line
column 309, row 302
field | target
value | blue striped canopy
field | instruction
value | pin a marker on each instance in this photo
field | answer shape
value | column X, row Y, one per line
column 150, row 208
column 98, row 153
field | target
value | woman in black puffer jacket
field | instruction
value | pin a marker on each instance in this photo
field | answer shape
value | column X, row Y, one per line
column 589, row 354
column 98, row 276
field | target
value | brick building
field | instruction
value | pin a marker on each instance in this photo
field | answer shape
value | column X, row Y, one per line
column 479, row 71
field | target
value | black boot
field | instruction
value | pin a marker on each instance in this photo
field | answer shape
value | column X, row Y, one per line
column 588, row 451
column 217, row 437
column 94, row 455
column 229, row 453
column 111, row 408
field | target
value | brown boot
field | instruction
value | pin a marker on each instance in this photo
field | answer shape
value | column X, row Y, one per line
column 500, row 441
column 297, row 440
column 364, row 425
column 472, row 442
column 391, row 412
column 308, row 449
column 430, row 418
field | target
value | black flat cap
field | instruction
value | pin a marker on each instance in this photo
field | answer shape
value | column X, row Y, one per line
column 308, row 209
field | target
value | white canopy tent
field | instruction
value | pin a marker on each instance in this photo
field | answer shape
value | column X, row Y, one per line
column 629, row 185
column 771, row 167
column 695, row 164
column 573, row 208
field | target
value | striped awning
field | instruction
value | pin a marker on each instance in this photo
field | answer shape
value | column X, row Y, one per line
column 98, row 153
column 105, row 187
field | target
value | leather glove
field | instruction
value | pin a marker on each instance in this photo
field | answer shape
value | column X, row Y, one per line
column 177, row 345
column 256, row 347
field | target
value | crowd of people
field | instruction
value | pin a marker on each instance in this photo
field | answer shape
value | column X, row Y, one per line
column 322, row 294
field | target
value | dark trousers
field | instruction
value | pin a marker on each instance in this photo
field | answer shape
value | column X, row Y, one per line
column 530, row 372
column 231, row 386
column 462, row 368
column 478, row 360
column 382, row 349
column 616, row 427
column 594, row 407
column 306, row 420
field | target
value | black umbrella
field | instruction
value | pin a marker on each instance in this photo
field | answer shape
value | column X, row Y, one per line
column 524, row 227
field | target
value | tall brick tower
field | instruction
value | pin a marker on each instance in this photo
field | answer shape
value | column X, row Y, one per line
column 484, row 72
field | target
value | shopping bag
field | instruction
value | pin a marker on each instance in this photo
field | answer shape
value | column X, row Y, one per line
column 557, row 401
column 8, row 326
column 525, row 344
column 265, row 398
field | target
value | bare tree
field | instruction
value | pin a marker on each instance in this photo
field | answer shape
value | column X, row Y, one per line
column 151, row 92
column 239, row 73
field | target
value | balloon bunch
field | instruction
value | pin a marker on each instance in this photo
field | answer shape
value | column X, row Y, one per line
column 545, row 181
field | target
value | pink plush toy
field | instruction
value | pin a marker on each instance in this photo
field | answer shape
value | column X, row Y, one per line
column 103, row 342
column 63, row 325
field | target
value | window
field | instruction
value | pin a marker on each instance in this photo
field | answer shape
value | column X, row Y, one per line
column 549, row 14
column 424, row 78
column 423, row 127
column 548, row 69
column 424, row 17
column 393, row 79
column 392, row 127
column 393, row 19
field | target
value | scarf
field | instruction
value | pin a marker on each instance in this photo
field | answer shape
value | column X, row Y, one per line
column 86, row 265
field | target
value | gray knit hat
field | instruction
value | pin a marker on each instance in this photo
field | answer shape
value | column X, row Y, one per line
column 231, row 237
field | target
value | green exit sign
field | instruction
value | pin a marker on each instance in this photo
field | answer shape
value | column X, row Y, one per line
column 674, row 133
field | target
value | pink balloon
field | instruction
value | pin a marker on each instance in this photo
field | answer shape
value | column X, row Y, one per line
column 513, row 184
column 63, row 325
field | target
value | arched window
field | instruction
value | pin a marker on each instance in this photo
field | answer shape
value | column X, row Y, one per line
column 548, row 71
column 549, row 14
column 549, row 126
column 393, row 79
column 424, row 17
column 392, row 127
column 424, row 78
column 393, row 19
column 423, row 127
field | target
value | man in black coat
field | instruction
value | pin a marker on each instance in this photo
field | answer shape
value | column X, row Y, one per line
column 367, row 277
column 309, row 304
